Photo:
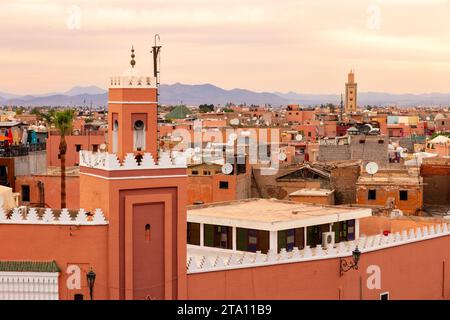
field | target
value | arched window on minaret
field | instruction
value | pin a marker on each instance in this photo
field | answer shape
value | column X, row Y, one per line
column 115, row 136
column 139, row 135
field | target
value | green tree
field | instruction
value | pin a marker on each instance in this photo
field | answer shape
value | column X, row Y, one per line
column 206, row 108
column 35, row 111
column 62, row 120
column 19, row 110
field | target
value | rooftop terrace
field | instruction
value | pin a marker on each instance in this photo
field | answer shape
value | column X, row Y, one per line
column 271, row 214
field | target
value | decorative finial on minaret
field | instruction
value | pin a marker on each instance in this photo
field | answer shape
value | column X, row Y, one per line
column 132, row 62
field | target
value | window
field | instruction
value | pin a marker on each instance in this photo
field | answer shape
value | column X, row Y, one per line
column 139, row 135
column 193, row 233
column 372, row 194
column 194, row 172
column 78, row 147
column 115, row 136
column 288, row 239
column 403, row 195
column 252, row 240
column 384, row 296
column 380, row 141
column 207, row 173
column 217, row 236
column 223, row 184
column 95, row 147
column 309, row 134
column 240, row 165
column 26, row 193
column 147, row 233
column 362, row 141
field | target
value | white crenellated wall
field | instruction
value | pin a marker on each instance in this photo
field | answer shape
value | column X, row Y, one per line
column 29, row 285
column 109, row 161
column 132, row 81
column 237, row 260
column 20, row 216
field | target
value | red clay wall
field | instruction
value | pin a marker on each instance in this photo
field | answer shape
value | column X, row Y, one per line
column 52, row 190
column 376, row 225
column 403, row 271
column 85, row 246
column 72, row 156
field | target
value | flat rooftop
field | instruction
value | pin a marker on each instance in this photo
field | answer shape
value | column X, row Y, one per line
column 271, row 214
column 390, row 178
column 310, row 192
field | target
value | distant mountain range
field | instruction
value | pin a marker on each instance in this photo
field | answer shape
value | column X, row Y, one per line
column 207, row 93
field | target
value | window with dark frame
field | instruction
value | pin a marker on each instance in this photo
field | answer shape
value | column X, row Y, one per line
column 372, row 194
column 403, row 195
column 78, row 147
column 384, row 296
column 26, row 193
column 147, row 233
column 223, row 184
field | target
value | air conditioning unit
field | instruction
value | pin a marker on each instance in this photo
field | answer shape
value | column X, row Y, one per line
column 327, row 239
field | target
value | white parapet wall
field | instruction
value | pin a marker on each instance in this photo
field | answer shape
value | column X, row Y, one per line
column 29, row 285
column 238, row 260
column 133, row 81
column 23, row 216
column 110, row 161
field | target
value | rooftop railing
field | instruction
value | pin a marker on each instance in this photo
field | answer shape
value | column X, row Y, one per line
column 21, row 150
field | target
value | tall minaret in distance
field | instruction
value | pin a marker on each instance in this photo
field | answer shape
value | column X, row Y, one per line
column 351, row 93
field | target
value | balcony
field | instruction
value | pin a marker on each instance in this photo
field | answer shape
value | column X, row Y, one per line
column 21, row 150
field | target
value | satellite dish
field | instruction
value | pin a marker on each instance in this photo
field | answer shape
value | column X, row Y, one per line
column 282, row 156
column 245, row 133
column 234, row 122
column 372, row 168
column 299, row 137
column 227, row 168
column 103, row 147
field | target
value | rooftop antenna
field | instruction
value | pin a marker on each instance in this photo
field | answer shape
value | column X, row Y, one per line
column 155, row 50
column 342, row 106
column 156, row 61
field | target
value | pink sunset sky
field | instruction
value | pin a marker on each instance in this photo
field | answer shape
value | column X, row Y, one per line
column 305, row 46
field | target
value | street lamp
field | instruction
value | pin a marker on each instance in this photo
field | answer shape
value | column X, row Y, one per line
column 345, row 266
column 91, row 280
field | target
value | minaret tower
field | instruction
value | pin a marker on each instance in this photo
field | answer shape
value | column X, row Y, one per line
column 351, row 93
column 142, row 194
column 132, row 113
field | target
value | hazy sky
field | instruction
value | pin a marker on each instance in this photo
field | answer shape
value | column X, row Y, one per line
column 264, row 45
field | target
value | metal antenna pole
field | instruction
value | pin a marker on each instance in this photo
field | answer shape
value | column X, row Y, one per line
column 156, row 50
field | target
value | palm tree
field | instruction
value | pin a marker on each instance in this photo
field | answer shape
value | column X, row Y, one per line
column 62, row 120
